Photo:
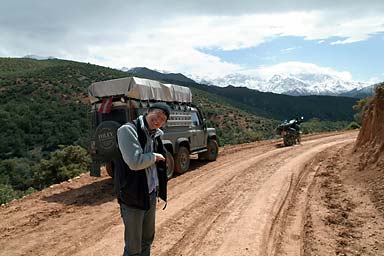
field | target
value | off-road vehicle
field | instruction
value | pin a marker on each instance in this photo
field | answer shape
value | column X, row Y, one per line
column 116, row 102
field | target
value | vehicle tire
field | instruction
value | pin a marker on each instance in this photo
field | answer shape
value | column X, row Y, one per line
column 212, row 151
column 298, row 138
column 109, row 168
column 106, row 140
column 288, row 141
column 285, row 141
column 182, row 160
column 170, row 165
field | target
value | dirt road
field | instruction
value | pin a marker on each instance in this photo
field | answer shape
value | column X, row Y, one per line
column 256, row 199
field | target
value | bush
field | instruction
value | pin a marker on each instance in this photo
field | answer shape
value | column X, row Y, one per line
column 63, row 164
column 7, row 193
column 17, row 173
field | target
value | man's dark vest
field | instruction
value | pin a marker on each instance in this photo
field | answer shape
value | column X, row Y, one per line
column 132, row 186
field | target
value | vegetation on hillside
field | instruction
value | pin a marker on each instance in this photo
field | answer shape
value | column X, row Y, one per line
column 43, row 104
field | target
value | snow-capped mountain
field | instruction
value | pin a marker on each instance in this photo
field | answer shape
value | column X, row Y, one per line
column 297, row 84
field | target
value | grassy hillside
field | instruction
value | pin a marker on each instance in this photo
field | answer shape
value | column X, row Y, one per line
column 44, row 104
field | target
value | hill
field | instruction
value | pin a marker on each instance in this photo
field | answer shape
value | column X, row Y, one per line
column 155, row 75
column 44, row 104
column 280, row 106
column 369, row 147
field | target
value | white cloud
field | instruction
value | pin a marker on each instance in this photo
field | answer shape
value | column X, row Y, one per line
column 176, row 59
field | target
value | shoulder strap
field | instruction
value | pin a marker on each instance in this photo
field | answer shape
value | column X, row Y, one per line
column 140, row 133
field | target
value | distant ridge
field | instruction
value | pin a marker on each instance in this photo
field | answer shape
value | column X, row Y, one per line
column 365, row 92
column 36, row 57
column 155, row 75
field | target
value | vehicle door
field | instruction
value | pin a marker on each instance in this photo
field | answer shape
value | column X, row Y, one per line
column 198, row 132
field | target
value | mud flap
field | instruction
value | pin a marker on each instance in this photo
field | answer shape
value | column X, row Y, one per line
column 95, row 169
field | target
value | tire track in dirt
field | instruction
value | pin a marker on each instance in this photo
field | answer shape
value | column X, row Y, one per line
column 262, row 212
column 287, row 234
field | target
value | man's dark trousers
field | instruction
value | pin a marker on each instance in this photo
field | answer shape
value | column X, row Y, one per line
column 139, row 228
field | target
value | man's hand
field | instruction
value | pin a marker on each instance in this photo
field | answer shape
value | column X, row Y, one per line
column 159, row 157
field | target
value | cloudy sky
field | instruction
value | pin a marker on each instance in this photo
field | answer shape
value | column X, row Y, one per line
column 205, row 38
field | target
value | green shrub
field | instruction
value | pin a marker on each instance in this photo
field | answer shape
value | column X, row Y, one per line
column 63, row 164
column 7, row 193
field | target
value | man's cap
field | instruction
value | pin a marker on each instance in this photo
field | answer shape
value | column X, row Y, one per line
column 163, row 106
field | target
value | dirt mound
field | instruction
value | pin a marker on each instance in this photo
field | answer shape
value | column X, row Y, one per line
column 370, row 141
column 370, row 146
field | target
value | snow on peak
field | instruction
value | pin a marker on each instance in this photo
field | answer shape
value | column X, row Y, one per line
column 291, row 84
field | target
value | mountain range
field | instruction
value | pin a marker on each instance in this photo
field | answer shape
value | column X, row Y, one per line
column 267, row 104
column 299, row 84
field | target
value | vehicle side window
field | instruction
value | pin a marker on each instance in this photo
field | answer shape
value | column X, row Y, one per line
column 195, row 119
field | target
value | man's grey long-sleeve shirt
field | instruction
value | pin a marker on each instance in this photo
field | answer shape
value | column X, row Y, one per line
column 134, row 156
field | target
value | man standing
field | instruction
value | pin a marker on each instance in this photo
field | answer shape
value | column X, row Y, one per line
column 140, row 175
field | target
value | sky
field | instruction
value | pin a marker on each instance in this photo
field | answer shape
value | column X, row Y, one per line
column 203, row 38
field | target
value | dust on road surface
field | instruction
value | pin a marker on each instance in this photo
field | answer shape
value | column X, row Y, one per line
column 256, row 199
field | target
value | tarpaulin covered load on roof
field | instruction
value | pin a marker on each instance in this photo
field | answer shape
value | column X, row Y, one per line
column 141, row 89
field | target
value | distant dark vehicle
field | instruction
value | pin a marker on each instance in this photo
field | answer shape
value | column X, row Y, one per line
column 116, row 102
column 290, row 131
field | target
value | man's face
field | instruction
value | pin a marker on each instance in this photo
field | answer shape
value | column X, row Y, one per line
column 156, row 118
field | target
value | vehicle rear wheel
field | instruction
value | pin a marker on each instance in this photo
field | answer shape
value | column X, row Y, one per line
column 182, row 160
column 170, row 165
column 298, row 138
column 289, row 140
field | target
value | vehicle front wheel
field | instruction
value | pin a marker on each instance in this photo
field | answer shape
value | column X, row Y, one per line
column 212, row 151
column 182, row 160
